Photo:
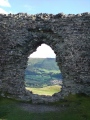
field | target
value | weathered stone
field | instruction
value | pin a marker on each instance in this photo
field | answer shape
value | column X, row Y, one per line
column 68, row 36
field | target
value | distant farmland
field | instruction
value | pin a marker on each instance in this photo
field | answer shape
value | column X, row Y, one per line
column 48, row 90
column 42, row 72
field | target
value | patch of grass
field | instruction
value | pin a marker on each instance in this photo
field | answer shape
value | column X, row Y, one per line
column 48, row 90
column 75, row 107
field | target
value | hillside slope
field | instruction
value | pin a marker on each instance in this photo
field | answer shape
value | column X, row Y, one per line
column 42, row 72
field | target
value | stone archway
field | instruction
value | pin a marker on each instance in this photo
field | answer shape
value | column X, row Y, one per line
column 68, row 36
column 37, row 98
column 42, row 55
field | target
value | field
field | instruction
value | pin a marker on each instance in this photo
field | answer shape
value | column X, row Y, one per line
column 75, row 107
column 48, row 90
column 41, row 71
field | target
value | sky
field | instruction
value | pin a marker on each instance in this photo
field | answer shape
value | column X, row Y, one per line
column 44, row 6
column 44, row 51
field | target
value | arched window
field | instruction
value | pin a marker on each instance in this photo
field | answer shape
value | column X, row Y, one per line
column 42, row 75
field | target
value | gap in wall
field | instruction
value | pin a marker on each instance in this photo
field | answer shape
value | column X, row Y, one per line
column 42, row 75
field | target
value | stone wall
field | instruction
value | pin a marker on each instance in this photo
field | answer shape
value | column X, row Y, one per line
column 69, row 37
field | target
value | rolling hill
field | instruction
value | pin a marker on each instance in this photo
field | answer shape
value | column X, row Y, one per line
column 42, row 72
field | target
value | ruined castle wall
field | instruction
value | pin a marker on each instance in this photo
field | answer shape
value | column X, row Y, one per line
column 68, row 36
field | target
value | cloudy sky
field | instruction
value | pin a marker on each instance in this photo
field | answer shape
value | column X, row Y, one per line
column 44, row 6
column 44, row 51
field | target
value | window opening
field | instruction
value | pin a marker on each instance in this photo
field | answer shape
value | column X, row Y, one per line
column 42, row 75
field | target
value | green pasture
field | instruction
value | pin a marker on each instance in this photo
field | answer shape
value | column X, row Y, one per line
column 48, row 90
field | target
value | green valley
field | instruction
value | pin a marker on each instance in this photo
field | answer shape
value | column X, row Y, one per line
column 42, row 72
